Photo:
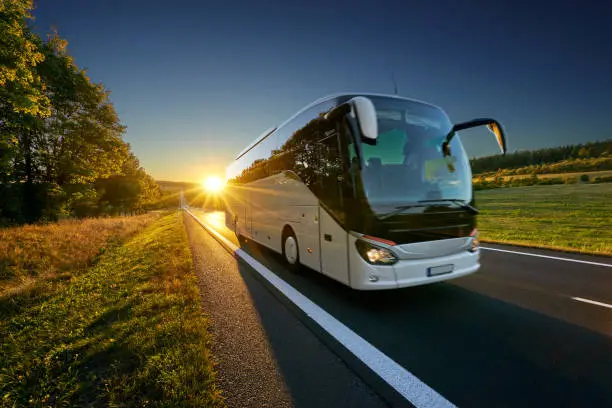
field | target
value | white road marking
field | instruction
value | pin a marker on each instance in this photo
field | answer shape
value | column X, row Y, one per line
column 593, row 302
column 549, row 257
column 400, row 379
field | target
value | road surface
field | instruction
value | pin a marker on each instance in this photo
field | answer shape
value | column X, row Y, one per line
column 528, row 329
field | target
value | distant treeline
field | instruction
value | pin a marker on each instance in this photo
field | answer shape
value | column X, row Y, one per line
column 61, row 147
column 592, row 156
column 483, row 183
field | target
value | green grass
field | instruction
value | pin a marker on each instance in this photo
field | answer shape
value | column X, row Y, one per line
column 128, row 331
column 575, row 217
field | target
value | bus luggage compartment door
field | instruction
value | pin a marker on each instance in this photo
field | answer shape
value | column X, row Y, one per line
column 334, row 256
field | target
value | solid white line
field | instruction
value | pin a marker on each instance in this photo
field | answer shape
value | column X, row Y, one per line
column 400, row 379
column 593, row 302
column 549, row 257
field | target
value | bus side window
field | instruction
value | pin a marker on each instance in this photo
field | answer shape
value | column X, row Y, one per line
column 331, row 173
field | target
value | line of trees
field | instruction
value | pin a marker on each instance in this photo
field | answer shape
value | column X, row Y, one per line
column 61, row 146
column 484, row 183
column 572, row 153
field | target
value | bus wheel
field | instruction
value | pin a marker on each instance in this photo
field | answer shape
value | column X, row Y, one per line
column 291, row 251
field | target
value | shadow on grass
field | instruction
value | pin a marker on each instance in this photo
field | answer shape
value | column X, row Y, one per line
column 107, row 356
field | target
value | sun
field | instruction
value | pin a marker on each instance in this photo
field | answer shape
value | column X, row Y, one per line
column 213, row 184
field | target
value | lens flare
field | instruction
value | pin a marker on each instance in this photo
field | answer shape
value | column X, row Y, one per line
column 213, row 184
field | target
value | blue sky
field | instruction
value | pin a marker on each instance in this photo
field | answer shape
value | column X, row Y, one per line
column 196, row 81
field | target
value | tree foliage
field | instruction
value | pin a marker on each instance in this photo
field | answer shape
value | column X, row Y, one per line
column 61, row 146
column 577, row 154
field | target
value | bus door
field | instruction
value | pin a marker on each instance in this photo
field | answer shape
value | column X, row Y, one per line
column 333, row 237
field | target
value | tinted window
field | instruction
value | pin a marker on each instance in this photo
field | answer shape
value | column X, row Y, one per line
column 301, row 120
column 251, row 166
column 331, row 172
column 289, row 148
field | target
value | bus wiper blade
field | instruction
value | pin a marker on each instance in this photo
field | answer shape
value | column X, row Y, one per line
column 400, row 209
column 461, row 203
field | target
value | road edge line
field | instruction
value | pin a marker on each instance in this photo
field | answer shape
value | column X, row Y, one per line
column 548, row 257
column 592, row 302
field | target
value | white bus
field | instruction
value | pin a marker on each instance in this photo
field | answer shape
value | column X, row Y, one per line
column 374, row 191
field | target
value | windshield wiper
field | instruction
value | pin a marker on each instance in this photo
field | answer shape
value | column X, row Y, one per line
column 423, row 203
column 400, row 209
column 461, row 203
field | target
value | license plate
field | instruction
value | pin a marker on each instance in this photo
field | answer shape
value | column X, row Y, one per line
column 439, row 270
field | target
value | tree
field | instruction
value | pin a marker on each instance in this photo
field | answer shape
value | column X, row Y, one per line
column 118, row 193
column 61, row 146
column 22, row 98
column 21, row 90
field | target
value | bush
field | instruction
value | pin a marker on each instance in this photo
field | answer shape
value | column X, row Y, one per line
column 604, row 179
column 550, row 181
column 584, row 178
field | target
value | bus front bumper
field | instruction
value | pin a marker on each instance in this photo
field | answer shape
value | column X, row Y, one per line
column 413, row 272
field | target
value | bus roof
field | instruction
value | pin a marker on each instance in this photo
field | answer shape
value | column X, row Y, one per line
column 318, row 101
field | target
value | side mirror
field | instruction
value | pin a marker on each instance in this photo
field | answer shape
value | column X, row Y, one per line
column 364, row 110
column 493, row 126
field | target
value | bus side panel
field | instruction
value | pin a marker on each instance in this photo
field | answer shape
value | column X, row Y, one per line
column 334, row 255
column 234, row 209
column 265, row 206
column 301, row 212
column 278, row 201
column 266, row 202
column 230, row 207
column 307, row 232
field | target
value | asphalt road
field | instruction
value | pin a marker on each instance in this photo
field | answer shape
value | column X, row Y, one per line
column 512, row 334
column 266, row 357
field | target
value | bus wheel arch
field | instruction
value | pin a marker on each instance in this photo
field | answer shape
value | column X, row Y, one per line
column 290, row 247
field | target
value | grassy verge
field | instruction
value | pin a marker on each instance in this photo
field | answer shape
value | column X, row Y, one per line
column 127, row 331
column 572, row 217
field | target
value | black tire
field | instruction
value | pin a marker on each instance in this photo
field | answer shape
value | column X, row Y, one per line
column 291, row 250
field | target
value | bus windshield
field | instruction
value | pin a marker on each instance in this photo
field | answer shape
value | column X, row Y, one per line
column 405, row 165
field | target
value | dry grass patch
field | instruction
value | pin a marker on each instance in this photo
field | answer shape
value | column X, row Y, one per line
column 31, row 251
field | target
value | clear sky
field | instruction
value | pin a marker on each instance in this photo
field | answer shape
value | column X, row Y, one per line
column 196, row 81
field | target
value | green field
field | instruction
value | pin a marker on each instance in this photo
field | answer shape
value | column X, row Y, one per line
column 123, row 328
column 571, row 217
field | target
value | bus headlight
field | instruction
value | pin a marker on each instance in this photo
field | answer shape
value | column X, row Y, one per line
column 375, row 255
column 475, row 244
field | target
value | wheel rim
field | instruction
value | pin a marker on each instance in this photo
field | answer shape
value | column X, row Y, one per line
column 291, row 253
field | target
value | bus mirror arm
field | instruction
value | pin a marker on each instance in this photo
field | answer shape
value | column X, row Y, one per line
column 493, row 126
